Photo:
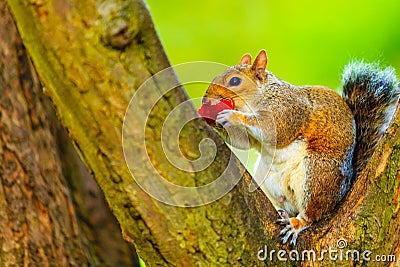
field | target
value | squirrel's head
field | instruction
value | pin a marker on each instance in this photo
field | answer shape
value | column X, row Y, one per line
column 239, row 83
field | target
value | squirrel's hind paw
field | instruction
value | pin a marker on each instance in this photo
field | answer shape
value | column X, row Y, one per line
column 292, row 229
column 288, row 232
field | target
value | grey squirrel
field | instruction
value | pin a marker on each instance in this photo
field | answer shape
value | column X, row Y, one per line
column 313, row 142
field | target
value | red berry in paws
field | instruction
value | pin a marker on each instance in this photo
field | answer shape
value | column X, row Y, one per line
column 209, row 111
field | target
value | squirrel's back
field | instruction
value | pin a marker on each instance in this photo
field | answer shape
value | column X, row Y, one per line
column 372, row 94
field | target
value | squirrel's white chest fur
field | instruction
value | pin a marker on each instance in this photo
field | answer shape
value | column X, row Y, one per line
column 281, row 174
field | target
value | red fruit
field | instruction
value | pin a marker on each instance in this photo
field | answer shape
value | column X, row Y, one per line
column 209, row 111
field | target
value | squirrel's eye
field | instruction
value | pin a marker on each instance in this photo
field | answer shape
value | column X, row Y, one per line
column 235, row 81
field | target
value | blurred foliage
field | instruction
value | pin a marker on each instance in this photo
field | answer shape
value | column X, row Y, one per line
column 308, row 42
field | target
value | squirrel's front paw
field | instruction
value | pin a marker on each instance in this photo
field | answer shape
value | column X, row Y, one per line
column 234, row 124
column 229, row 117
column 292, row 229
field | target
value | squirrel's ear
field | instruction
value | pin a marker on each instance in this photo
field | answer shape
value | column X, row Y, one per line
column 246, row 60
column 260, row 63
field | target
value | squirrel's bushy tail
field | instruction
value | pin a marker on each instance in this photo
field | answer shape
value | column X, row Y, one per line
column 372, row 94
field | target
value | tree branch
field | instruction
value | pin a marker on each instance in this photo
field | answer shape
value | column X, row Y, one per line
column 96, row 57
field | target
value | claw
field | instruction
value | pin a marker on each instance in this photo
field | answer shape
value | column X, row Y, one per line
column 292, row 229
column 224, row 118
column 294, row 239
column 284, row 230
column 283, row 214
column 282, row 221
column 287, row 236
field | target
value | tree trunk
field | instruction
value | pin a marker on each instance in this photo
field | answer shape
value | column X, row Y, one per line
column 43, row 222
column 92, row 56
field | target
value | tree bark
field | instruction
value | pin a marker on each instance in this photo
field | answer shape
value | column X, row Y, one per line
column 43, row 222
column 92, row 56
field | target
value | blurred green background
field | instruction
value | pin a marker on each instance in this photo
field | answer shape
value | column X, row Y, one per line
column 307, row 42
